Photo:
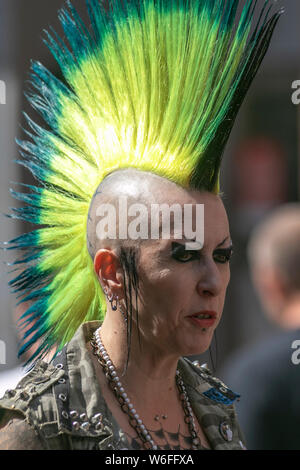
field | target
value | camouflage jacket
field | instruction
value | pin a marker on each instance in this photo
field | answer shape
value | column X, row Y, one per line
column 62, row 406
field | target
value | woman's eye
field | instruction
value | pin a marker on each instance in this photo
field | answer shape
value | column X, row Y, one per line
column 185, row 256
column 181, row 254
column 223, row 256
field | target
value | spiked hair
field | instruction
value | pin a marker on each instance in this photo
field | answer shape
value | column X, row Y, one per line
column 152, row 84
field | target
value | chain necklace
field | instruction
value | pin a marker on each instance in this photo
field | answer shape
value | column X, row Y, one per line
column 127, row 407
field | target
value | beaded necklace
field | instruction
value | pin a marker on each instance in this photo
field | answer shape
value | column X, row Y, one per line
column 128, row 408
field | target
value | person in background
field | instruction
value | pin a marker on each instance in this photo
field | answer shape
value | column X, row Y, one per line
column 267, row 375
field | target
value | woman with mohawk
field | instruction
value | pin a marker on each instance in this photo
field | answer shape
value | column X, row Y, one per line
column 150, row 94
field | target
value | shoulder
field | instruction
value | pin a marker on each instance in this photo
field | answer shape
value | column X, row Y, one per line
column 17, row 434
column 207, row 384
column 267, row 351
column 258, row 365
column 62, row 403
column 213, row 403
column 34, row 384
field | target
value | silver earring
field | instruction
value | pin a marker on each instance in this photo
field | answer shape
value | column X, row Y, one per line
column 116, row 299
column 108, row 296
column 111, row 298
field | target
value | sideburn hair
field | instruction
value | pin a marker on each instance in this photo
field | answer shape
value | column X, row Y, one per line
column 129, row 260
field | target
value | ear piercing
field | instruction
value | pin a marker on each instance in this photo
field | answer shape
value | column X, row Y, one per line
column 158, row 417
column 113, row 298
column 114, row 306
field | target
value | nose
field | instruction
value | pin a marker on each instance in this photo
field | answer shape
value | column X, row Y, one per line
column 210, row 280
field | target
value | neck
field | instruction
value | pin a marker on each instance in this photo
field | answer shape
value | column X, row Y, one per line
column 150, row 374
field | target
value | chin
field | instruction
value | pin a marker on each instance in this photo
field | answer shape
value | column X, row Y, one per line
column 193, row 342
column 200, row 346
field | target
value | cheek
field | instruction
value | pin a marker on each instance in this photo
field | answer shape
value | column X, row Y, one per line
column 225, row 277
column 163, row 280
column 164, row 288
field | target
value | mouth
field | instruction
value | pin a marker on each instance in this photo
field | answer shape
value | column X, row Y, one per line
column 203, row 319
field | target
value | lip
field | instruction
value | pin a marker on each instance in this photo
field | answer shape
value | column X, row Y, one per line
column 205, row 322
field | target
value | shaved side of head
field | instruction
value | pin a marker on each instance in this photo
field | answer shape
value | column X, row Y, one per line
column 138, row 187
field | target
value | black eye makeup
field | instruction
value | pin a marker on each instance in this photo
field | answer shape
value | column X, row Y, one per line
column 223, row 255
column 179, row 253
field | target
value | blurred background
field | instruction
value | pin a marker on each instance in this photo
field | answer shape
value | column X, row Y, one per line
column 260, row 170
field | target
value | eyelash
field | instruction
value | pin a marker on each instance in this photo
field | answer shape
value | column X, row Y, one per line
column 179, row 250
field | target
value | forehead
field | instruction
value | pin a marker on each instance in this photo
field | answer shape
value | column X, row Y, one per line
column 216, row 227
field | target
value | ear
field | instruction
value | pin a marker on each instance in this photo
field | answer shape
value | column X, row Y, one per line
column 108, row 270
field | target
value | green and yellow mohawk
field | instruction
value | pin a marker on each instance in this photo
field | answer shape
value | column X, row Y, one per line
column 152, row 84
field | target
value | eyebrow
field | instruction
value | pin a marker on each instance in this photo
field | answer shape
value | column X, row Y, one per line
column 194, row 239
column 222, row 243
